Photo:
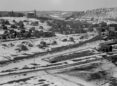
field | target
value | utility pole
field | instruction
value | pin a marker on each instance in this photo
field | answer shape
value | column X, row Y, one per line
column 12, row 13
column 35, row 13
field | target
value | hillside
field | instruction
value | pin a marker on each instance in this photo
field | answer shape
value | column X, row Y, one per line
column 95, row 13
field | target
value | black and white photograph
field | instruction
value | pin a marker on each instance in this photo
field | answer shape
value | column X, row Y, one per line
column 58, row 42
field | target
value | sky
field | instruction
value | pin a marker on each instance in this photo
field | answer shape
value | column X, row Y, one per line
column 55, row 5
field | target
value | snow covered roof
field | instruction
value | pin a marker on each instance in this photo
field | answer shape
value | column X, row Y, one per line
column 1, row 32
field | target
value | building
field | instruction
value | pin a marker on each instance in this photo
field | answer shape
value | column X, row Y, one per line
column 31, row 15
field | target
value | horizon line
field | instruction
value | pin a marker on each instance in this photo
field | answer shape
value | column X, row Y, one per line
column 61, row 10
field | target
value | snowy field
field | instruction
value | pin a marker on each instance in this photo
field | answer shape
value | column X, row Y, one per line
column 9, row 50
column 17, row 69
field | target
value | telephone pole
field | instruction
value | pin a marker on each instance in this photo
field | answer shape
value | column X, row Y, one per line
column 35, row 13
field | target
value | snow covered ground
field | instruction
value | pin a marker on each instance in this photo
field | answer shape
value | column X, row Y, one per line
column 41, row 62
column 10, row 51
column 43, row 79
column 47, row 78
column 27, row 24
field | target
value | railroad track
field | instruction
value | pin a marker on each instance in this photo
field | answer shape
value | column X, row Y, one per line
column 11, row 40
column 79, row 61
column 82, row 61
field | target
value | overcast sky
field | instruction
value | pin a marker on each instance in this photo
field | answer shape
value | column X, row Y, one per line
column 64, row 5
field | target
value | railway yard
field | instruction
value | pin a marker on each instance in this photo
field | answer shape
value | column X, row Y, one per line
column 40, row 69
column 61, row 60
